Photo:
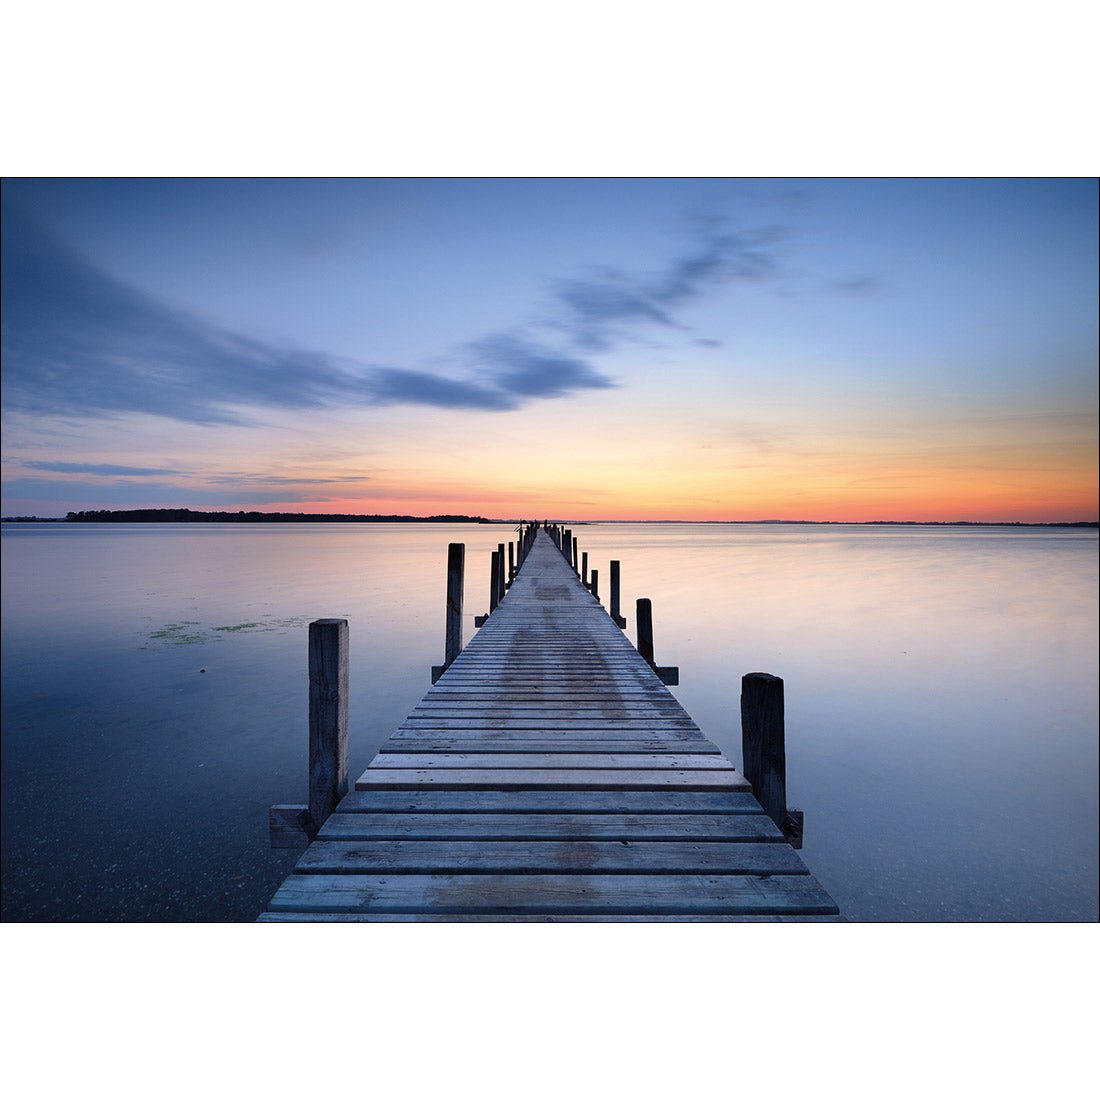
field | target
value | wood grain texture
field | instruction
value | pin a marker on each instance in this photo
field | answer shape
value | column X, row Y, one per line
column 549, row 775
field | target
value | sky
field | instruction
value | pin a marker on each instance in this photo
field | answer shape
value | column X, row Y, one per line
column 689, row 349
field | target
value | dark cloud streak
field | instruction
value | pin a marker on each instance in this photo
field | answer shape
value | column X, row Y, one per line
column 78, row 342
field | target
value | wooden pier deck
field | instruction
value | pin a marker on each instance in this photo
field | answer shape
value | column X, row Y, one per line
column 549, row 775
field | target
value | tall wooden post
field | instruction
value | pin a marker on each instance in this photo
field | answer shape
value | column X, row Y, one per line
column 573, row 560
column 567, row 545
column 764, row 751
column 644, row 620
column 494, row 581
column 511, row 562
column 456, row 568
column 616, row 616
column 594, row 585
column 328, row 717
column 584, row 568
column 500, row 573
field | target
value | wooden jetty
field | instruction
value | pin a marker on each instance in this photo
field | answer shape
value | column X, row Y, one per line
column 547, row 775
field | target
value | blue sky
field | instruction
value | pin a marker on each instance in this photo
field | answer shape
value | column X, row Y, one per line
column 710, row 348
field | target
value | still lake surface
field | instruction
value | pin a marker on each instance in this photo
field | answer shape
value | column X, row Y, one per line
column 941, row 693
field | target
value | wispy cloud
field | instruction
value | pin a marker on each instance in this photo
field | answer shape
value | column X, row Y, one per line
column 98, row 469
column 136, row 493
column 598, row 311
column 857, row 285
column 79, row 342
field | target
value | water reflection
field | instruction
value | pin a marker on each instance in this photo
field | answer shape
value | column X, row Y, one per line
column 941, row 698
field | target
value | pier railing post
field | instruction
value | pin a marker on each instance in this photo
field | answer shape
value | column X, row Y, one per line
column 764, row 751
column 584, row 568
column 511, row 562
column 500, row 573
column 616, row 616
column 594, row 585
column 456, row 566
column 328, row 717
column 573, row 559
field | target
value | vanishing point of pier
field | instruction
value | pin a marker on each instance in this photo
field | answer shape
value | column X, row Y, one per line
column 548, row 774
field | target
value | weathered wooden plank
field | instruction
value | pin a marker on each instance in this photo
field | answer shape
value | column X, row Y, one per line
column 547, row 918
column 670, row 801
column 547, row 779
column 607, row 761
column 549, row 857
column 566, row 893
column 495, row 744
column 675, row 740
column 492, row 721
column 551, row 826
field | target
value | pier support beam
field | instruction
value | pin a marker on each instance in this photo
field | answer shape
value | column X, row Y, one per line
column 764, row 750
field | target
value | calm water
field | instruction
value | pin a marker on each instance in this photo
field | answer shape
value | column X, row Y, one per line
column 941, row 698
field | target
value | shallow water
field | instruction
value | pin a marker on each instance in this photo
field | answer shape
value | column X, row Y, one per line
column 941, row 697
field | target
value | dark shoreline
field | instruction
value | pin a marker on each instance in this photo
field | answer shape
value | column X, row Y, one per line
column 186, row 515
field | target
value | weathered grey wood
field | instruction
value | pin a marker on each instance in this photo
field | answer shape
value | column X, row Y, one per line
column 608, row 761
column 548, row 779
column 328, row 716
column 549, row 857
column 643, row 617
column 547, row 918
column 764, row 750
column 614, row 610
column 494, row 581
column 699, row 828
column 580, row 893
column 550, row 775
column 456, row 570
column 290, row 826
column 489, row 745
column 672, row 801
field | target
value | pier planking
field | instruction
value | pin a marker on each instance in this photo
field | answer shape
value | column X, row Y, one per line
column 549, row 775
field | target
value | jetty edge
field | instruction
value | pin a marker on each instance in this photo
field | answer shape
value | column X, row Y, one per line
column 547, row 775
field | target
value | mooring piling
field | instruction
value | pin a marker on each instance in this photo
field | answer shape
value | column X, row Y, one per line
column 763, row 747
column 616, row 616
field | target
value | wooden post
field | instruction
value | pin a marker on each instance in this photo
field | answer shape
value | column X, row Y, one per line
column 456, row 567
column 594, row 587
column 567, row 545
column 584, row 568
column 328, row 717
column 500, row 573
column 764, row 751
column 616, row 616
column 494, row 581
column 643, row 617
column 511, row 562
column 573, row 560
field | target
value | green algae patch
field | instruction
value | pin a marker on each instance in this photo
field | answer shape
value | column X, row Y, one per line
column 240, row 628
column 179, row 634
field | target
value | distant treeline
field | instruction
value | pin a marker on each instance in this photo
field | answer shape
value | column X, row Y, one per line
column 185, row 515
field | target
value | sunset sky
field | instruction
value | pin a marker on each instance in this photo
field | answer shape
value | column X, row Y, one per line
column 684, row 349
